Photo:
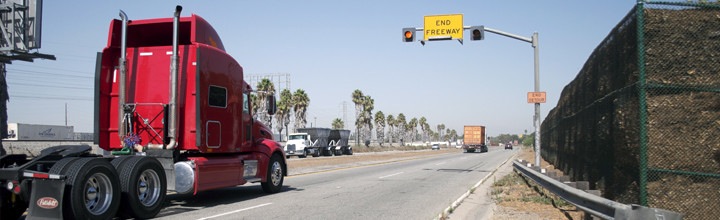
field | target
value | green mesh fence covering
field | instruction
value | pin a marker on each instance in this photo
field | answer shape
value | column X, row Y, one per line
column 641, row 121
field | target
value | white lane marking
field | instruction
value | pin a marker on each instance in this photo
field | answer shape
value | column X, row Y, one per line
column 390, row 175
column 441, row 163
column 236, row 211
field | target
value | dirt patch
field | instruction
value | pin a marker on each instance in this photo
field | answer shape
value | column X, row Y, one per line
column 518, row 198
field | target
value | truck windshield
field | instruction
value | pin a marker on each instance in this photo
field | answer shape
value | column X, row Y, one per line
column 296, row 137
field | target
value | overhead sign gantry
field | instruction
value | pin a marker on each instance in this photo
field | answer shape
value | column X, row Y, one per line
column 450, row 27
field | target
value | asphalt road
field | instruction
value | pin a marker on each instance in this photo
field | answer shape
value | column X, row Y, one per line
column 416, row 189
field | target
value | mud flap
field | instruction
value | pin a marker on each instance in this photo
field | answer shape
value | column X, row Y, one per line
column 46, row 199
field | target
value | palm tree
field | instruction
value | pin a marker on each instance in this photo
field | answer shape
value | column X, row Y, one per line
column 265, row 88
column 412, row 128
column 390, row 124
column 300, row 104
column 255, row 102
column 440, row 128
column 401, row 126
column 358, row 98
column 380, row 127
column 338, row 124
column 423, row 127
column 368, row 106
column 284, row 107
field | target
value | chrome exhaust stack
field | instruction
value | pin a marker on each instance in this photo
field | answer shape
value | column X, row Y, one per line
column 172, row 105
column 123, row 72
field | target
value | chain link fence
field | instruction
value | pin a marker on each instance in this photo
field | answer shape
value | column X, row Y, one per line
column 641, row 121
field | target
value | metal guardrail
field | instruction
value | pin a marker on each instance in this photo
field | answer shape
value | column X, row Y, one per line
column 593, row 204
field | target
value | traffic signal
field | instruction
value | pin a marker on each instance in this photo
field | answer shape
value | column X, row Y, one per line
column 409, row 34
column 477, row 32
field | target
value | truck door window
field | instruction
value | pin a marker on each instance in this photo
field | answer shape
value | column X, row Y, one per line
column 217, row 97
column 246, row 104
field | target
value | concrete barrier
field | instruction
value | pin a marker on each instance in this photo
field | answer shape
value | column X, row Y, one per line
column 33, row 148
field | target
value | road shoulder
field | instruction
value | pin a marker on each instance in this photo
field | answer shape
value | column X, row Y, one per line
column 479, row 204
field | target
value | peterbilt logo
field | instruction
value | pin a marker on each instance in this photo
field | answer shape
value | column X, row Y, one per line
column 47, row 202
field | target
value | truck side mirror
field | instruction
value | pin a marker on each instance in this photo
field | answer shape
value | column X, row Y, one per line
column 271, row 105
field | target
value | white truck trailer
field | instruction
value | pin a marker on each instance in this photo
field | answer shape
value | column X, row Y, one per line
column 35, row 132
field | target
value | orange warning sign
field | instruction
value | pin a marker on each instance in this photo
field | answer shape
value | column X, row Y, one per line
column 536, row 97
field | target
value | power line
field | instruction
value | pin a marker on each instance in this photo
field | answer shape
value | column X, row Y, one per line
column 51, row 97
column 50, row 81
column 49, row 68
column 47, row 73
column 53, row 86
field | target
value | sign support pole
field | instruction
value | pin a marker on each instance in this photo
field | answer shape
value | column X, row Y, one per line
column 536, row 118
column 537, row 105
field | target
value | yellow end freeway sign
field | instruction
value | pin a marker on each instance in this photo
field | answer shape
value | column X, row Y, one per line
column 443, row 27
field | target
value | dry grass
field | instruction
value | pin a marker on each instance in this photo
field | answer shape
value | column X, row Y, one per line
column 516, row 197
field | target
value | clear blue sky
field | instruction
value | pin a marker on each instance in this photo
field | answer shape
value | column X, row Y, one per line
column 331, row 48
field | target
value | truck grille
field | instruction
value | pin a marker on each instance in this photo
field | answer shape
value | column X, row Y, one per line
column 291, row 147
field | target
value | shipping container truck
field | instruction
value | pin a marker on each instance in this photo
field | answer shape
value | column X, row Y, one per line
column 35, row 132
column 474, row 139
column 172, row 113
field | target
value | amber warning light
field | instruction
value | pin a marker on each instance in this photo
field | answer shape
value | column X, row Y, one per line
column 409, row 34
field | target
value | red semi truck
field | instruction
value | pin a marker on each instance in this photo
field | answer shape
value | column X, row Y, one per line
column 186, row 129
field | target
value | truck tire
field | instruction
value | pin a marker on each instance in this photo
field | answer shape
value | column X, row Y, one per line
column 350, row 152
column 92, row 190
column 275, row 175
column 317, row 152
column 304, row 155
column 143, row 187
column 11, row 208
column 62, row 165
column 117, row 162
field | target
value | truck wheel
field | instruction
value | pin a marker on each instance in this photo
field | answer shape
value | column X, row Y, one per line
column 143, row 186
column 350, row 152
column 304, row 155
column 92, row 190
column 275, row 175
column 317, row 152
column 11, row 208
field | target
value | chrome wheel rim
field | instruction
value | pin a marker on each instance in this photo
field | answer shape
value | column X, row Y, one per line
column 98, row 193
column 148, row 187
column 276, row 173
